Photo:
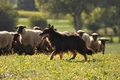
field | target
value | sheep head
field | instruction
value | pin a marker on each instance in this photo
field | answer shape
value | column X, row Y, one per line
column 80, row 32
column 103, row 40
column 95, row 35
column 47, row 31
column 20, row 29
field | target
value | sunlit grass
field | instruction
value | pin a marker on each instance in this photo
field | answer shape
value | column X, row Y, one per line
column 39, row 67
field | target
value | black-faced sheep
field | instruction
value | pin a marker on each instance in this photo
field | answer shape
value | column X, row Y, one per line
column 29, row 38
column 84, row 36
column 98, row 45
column 17, row 47
column 94, row 44
column 102, row 44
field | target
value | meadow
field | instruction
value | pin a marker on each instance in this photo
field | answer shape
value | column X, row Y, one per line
column 40, row 67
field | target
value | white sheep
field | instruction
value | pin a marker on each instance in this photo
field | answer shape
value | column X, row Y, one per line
column 84, row 36
column 5, row 41
column 94, row 44
column 29, row 37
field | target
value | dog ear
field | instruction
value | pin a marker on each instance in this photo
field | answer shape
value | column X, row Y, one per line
column 48, row 26
column 55, row 29
column 52, row 27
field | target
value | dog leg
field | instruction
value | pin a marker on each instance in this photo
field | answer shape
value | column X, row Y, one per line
column 85, row 57
column 53, row 54
column 74, row 55
column 61, row 55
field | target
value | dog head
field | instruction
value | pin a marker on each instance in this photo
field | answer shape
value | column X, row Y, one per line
column 47, row 31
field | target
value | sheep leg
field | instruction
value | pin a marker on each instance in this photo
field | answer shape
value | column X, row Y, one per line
column 103, row 52
column 74, row 55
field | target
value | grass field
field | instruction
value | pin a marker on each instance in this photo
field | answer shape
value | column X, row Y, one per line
column 40, row 67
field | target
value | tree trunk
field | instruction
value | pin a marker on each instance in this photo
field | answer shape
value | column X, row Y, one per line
column 76, row 22
column 119, row 29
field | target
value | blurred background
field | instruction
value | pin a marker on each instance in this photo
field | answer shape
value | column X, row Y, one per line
column 101, row 16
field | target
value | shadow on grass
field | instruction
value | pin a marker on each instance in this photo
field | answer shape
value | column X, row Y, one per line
column 82, row 61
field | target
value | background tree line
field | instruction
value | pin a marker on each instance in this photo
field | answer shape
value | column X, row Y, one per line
column 92, row 14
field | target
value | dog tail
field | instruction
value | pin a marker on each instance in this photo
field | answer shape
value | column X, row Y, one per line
column 90, row 51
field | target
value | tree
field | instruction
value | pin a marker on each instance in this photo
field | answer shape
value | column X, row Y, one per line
column 28, row 5
column 8, row 16
column 115, row 3
column 72, row 7
column 37, row 21
column 108, row 4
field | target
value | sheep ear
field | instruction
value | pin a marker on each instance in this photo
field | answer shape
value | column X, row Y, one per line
column 107, row 40
column 15, row 27
column 24, row 26
column 90, row 34
column 40, row 28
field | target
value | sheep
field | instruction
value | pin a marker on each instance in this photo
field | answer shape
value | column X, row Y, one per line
column 29, row 38
column 94, row 44
column 17, row 47
column 84, row 36
column 5, row 42
column 37, row 28
column 102, row 44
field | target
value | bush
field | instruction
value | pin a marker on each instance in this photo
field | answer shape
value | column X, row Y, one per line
column 37, row 21
column 94, row 26
column 8, row 16
column 27, row 14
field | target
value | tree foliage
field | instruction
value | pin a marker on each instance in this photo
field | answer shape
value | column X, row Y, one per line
column 8, row 16
column 72, row 7
column 37, row 21
column 28, row 5
column 108, row 15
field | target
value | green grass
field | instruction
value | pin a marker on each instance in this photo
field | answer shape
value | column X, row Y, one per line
column 39, row 67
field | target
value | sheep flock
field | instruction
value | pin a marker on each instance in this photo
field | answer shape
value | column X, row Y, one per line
column 29, row 42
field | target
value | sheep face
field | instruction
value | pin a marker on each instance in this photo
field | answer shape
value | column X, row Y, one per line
column 80, row 32
column 16, row 37
column 20, row 29
column 103, row 40
column 94, row 37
